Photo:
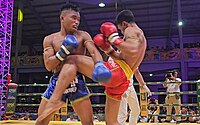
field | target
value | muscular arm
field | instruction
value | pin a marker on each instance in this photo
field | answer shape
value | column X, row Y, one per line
column 114, row 55
column 89, row 44
column 50, row 60
column 139, row 77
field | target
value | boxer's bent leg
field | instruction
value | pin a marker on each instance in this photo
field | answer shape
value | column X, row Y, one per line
column 85, row 64
column 45, row 97
column 84, row 110
column 63, row 82
column 40, row 110
column 42, row 106
column 73, row 64
column 111, row 111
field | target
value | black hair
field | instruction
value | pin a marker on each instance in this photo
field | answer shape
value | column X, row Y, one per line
column 125, row 15
column 152, row 101
column 168, row 75
column 174, row 72
column 70, row 6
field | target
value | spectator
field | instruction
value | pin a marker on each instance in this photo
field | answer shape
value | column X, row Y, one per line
column 163, row 111
column 26, row 116
column 143, row 119
column 184, row 111
column 71, row 118
column 193, row 119
column 96, row 118
column 153, row 110
column 173, row 98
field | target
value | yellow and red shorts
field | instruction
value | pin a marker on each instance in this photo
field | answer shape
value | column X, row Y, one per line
column 121, row 74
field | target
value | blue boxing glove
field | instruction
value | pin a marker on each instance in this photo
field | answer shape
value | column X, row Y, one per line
column 69, row 44
column 101, row 73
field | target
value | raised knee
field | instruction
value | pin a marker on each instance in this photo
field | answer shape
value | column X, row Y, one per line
column 70, row 59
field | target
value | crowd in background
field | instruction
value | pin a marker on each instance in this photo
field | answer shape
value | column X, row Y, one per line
column 191, row 51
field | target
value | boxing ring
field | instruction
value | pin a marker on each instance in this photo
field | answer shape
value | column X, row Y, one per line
column 6, row 31
column 31, row 122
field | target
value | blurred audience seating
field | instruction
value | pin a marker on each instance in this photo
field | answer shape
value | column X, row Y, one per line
column 151, row 55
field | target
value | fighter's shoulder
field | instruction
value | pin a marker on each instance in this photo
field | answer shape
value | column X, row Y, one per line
column 48, row 40
column 85, row 36
column 50, row 37
column 133, row 31
column 82, row 33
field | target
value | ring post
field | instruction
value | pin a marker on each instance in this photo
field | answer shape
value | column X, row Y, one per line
column 143, row 102
column 198, row 94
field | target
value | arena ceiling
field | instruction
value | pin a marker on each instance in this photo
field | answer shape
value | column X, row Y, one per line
column 155, row 17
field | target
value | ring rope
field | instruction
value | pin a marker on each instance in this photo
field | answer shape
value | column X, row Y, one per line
column 135, row 83
column 149, row 83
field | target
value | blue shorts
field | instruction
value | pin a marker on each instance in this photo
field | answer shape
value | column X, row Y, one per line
column 77, row 90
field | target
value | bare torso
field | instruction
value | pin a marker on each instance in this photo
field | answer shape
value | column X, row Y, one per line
column 57, row 40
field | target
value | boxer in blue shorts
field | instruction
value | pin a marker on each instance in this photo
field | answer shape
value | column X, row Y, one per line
column 57, row 48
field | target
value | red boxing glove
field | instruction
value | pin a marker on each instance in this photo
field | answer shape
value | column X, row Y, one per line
column 109, row 30
column 102, row 44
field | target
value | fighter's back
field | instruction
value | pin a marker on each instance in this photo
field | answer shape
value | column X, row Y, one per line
column 138, row 42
